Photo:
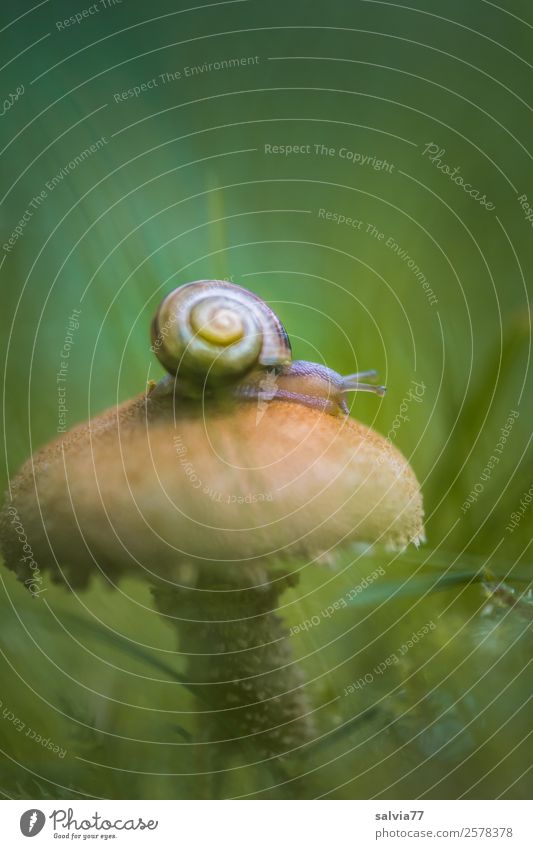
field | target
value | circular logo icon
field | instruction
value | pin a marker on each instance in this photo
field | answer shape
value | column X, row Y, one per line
column 32, row 822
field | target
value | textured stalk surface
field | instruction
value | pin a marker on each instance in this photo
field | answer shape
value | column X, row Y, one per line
column 249, row 689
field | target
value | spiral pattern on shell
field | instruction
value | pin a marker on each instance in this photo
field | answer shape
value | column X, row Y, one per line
column 215, row 331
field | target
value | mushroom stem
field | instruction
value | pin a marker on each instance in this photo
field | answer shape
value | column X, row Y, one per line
column 239, row 660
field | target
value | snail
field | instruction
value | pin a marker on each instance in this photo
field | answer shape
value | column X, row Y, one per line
column 188, row 488
column 215, row 336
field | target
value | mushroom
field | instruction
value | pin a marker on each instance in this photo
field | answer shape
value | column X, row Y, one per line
column 209, row 485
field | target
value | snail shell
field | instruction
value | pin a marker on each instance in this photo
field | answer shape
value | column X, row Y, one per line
column 215, row 331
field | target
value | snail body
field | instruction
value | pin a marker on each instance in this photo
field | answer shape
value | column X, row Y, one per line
column 214, row 331
column 211, row 335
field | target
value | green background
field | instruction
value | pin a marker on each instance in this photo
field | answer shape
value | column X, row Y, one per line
column 183, row 189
